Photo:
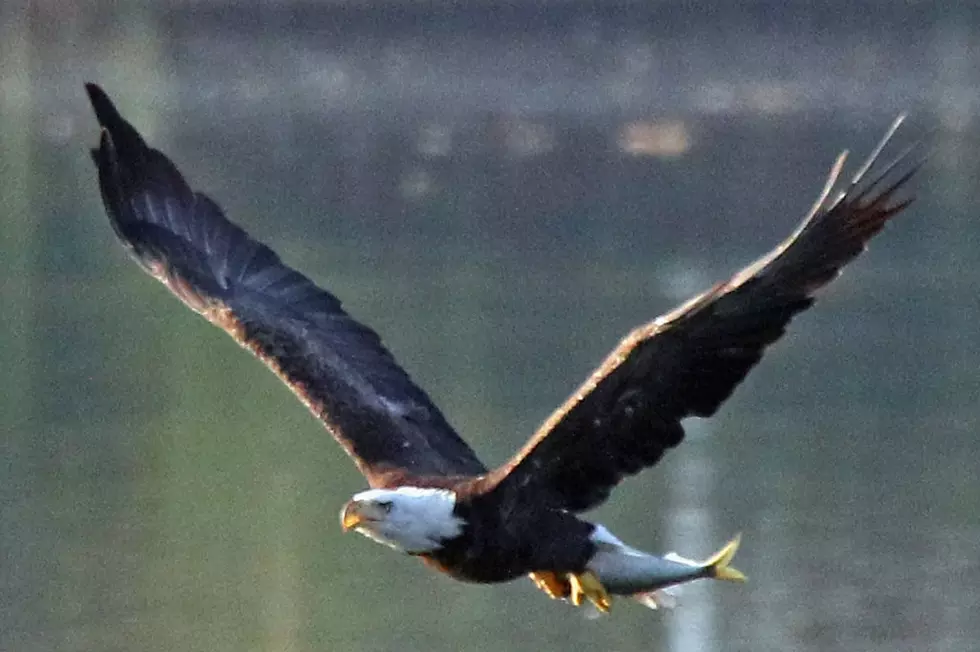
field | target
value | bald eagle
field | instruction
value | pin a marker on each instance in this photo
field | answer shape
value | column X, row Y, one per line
column 430, row 496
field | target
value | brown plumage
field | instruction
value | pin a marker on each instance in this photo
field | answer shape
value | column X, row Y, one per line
column 520, row 517
column 688, row 361
column 336, row 366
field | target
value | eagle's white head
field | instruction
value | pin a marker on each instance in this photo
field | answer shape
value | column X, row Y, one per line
column 409, row 519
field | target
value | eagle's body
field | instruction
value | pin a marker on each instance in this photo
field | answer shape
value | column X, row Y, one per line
column 430, row 495
column 497, row 546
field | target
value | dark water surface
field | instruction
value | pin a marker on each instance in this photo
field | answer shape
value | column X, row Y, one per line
column 502, row 195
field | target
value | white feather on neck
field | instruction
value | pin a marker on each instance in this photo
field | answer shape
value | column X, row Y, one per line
column 419, row 521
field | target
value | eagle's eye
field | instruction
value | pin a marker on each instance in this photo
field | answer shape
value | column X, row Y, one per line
column 385, row 505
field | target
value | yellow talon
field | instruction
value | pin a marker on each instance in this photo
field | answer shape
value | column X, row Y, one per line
column 588, row 586
column 556, row 587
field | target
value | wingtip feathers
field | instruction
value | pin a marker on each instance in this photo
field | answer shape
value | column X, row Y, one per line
column 105, row 111
column 117, row 133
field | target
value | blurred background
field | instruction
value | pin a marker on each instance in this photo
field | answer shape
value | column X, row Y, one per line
column 502, row 190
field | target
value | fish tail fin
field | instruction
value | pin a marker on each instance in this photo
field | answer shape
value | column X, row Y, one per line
column 719, row 564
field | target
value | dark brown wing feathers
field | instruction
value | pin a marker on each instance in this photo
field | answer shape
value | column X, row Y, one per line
column 336, row 366
column 687, row 362
column 622, row 419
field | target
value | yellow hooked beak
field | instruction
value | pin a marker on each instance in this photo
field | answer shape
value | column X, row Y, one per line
column 357, row 513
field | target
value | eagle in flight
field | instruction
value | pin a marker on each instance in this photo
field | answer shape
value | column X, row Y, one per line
column 430, row 496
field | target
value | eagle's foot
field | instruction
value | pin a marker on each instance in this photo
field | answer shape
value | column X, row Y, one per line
column 587, row 586
column 557, row 587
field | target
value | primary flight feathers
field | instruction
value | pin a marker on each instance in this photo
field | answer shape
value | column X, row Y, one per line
column 622, row 419
column 335, row 365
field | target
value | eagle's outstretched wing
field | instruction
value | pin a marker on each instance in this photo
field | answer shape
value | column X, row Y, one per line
column 687, row 362
column 336, row 366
